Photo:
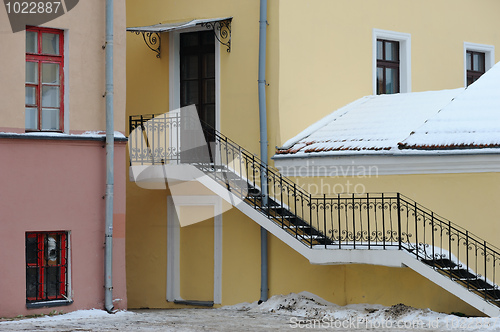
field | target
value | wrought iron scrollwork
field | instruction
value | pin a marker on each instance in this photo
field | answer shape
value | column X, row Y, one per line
column 152, row 40
column 222, row 31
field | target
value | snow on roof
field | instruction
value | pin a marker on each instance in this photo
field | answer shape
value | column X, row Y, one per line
column 471, row 120
column 372, row 124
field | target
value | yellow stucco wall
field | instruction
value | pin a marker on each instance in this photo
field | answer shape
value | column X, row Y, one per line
column 146, row 247
column 319, row 58
column 85, row 35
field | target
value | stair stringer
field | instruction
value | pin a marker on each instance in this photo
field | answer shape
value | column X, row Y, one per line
column 388, row 257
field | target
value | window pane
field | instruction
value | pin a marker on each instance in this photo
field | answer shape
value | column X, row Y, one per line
column 189, row 39
column 50, row 73
column 50, row 119
column 31, row 118
column 209, row 65
column 51, row 278
column 469, row 61
column 209, row 115
column 388, row 51
column 475, row 62
column 50, row 43
column 391, row 80
column 380, row 80
column 207, row 38
column 391, row 51
column 31, row 42
column 481, row 63
column 380, row 51
column 478, row 62
column 30, row 95
column 31, row 250
column 50, row 96
column 52, row 251
column 209, row 91
column 190, row 92
column 31, row 282
column 31, row 72
column 189, row 69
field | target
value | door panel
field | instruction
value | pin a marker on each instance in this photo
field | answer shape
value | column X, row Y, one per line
column 197, row 254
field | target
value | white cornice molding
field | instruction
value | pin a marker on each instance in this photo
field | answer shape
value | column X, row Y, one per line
column 365, row 166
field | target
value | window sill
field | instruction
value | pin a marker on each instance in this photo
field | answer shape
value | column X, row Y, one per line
column 46, row 304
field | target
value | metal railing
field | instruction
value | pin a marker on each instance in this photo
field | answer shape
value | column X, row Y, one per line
column 342, row 221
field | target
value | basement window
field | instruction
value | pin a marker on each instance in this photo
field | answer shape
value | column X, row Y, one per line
column 47, row 269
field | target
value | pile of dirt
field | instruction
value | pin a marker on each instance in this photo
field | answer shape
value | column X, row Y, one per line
column 398, row 310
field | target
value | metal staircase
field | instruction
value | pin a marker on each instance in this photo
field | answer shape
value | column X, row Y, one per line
column 433, row 246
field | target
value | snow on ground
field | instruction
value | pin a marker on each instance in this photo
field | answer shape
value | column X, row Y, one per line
column 301, row 311
column 75, row 315
column 308, row 310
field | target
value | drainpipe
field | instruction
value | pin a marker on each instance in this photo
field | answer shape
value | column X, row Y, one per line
column 263, row 145
column 110, row 141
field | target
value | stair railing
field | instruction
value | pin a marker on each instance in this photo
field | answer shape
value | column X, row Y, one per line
column 343, row 221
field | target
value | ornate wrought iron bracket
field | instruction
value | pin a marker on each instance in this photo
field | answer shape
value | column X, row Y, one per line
column 152, row 40
column 222, row 31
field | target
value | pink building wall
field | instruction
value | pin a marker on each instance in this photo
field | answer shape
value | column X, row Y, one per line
column 53, row 185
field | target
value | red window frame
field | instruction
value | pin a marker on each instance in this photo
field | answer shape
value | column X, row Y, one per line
column 40, row 58
column 43, row 264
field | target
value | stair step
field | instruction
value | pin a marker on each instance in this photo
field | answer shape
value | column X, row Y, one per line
column 212, row 168
column 442, row 263
column 276, row 209
column 324, row 241
column 253, row 191
column 494, row 293
column 479, row 284
column 315, row 237
column 318, row 241
column 461, row 275
column 195, row 303
column 489, row 295
column 237, row 184
column 270, row 202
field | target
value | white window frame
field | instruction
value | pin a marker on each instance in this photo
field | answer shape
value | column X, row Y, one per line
column 404, row 40
column 489, row 56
